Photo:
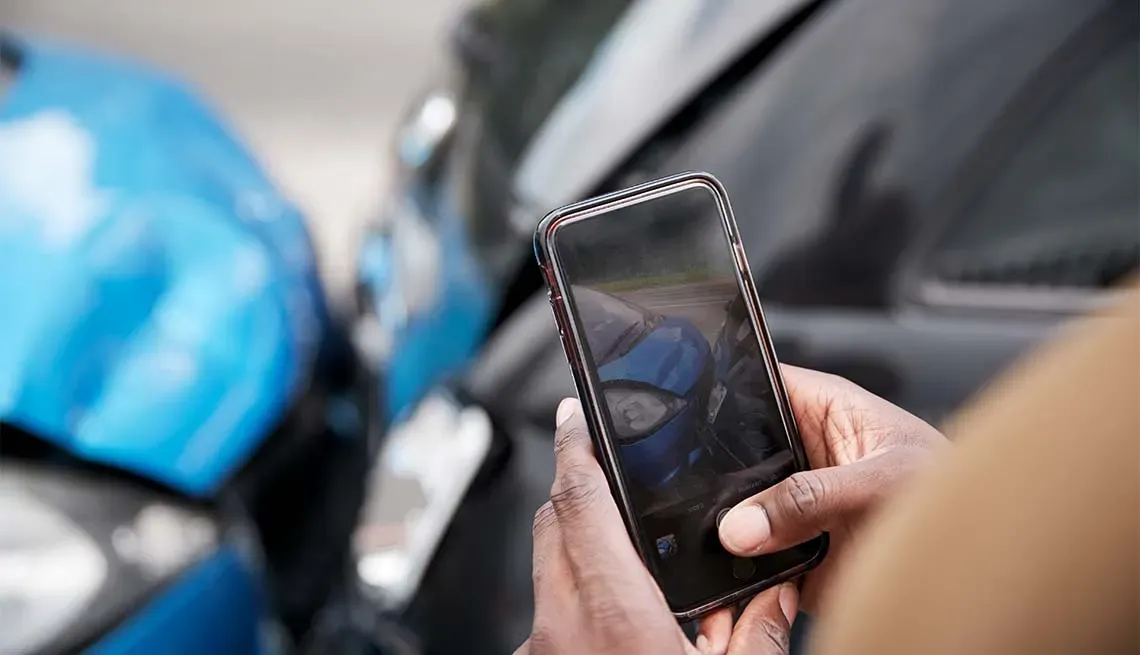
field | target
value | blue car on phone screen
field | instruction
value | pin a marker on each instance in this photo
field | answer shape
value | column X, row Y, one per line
column 657, row 373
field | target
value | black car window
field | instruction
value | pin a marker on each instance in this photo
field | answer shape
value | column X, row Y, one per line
column 838, row 151
column 1060, row 209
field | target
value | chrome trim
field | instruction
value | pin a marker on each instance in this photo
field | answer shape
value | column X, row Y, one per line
column 1055, row 300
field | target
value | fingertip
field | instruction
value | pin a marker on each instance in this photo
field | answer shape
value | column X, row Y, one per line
column 745, row 529
column 762, row 627
column 715, row 632
column 571, row 436
column 567, row 409
column 789, row 601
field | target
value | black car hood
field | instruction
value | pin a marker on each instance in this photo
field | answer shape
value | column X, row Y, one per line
column 657, row 56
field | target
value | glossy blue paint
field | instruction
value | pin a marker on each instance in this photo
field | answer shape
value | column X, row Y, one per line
column 671, row 357
column 674, row 357
column 216, row 607
column 654, row 461
column 160, row 299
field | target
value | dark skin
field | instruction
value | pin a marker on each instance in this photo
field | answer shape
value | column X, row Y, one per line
column 594, row 595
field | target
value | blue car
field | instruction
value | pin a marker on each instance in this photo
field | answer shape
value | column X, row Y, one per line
column 657, row 374
column 166, row 375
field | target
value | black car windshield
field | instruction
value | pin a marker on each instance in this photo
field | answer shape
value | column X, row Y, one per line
column 546, row 45
column 539, row 50
column 615, row 325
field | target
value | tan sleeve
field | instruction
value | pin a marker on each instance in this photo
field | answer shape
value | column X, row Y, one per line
column 1027, row 540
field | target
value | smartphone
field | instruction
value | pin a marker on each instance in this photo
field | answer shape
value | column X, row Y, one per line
column 661, row 325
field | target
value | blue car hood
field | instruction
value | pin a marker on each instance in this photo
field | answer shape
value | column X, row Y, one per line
column 671, row 357
column 160, row 303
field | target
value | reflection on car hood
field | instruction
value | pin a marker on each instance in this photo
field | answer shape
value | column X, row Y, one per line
column 158, row 297
column 654, row 60
column 672, row 357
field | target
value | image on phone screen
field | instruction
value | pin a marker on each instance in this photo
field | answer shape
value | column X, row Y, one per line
column 685, row 393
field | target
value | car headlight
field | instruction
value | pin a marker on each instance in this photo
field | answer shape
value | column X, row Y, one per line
column 77, row 553
column 49, row 571
column 637, row 412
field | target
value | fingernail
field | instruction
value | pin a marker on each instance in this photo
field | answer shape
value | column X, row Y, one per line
column 566, row 409
column 745, row 529
column 789, row 601
column 702, row 644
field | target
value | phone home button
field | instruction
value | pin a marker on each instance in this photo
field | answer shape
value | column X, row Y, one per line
column 743, row 568
column 720, row 516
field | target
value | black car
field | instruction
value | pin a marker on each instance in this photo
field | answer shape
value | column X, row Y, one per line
column 925, row 189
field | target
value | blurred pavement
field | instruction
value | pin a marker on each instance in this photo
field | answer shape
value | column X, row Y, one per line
column 314, row 87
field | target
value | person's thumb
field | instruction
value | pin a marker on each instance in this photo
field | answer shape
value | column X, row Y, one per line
column 800, row 508
column 765, row 625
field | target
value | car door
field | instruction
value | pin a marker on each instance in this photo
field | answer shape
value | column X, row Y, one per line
column 1042, row 224
column 926, row 188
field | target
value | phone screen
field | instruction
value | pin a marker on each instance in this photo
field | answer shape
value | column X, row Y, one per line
column 685, row 396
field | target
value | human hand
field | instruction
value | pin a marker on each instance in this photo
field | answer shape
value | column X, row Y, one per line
column 860, row 448
column 593, row 594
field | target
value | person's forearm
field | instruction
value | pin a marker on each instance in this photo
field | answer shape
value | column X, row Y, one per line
column 1027, row 539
